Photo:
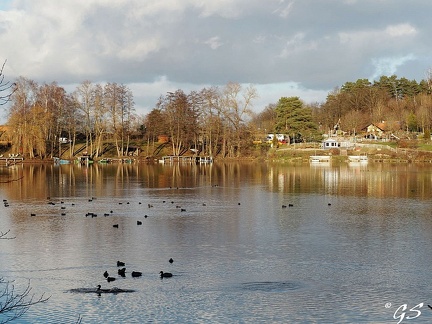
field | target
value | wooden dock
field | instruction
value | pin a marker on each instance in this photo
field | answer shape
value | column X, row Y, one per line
column 319, row 158
column 358, row 158
column 11, row 160
column 186, row 159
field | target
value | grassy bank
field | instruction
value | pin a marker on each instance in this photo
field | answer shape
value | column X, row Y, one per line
column 376, row 153
column 414, row 151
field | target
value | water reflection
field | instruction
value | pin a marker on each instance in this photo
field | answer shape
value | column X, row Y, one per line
column 350, row 236
column 377, row 180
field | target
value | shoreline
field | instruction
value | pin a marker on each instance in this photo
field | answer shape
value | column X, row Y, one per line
column 375, row 154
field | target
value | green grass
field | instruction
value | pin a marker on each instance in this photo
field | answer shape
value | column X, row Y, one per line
column 425, row 146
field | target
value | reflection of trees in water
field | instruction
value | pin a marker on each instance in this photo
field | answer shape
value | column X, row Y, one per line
column 377, row 180
column 403, row 180
column 13, row 304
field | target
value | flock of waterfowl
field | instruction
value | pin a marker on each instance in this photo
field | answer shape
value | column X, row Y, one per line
column 121, row 271
column 93, row 214
column 64, row 206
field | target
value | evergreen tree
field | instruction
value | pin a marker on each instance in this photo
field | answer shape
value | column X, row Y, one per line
column 295, row 120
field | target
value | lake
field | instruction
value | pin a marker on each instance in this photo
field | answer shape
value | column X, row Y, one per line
column 251, row 242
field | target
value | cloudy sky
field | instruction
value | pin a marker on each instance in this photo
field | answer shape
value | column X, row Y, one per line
column 301, row 48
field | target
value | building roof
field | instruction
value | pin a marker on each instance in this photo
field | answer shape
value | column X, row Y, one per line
column 385, row 125
column 330, row 140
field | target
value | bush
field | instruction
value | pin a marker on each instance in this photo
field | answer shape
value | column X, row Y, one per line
column 410, row 144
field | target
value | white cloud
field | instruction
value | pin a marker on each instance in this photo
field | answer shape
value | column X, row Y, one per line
column 271, row 93
column 401, row 30
column 386, row 47
column 297, row 44
column 285, row 10
column 163, row 45
column 368, row 35
column 138, row 50
column 214, row 42
column 224, row 8
column 389, row 65
column 147, row 94
column 259, row 39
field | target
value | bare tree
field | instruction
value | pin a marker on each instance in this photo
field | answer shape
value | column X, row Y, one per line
column 154, row 125
column 126, row 116
column 237, row 104
column 6, row 88
column 72, row 119
column 14, row 304
column 429, row 78
column 265, row 121
column 211, row 120
column 84, row 95
column 113, row 104
column 52, row 100
column 100, row 118
column 181, row 117
column 20, row 116
column 423, row 111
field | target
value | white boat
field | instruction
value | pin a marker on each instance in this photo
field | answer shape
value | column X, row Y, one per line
column 60, row 161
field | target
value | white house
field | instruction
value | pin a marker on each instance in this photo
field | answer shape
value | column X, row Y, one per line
column 330, row 143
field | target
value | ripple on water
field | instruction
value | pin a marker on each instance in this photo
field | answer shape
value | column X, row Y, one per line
column 272, row 286
column 113, row 290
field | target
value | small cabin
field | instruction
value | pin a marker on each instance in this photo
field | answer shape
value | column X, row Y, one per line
column 330, row 143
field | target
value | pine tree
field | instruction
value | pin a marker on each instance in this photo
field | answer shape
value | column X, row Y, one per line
column 295, row 120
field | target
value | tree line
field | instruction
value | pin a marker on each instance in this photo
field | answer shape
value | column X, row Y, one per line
column 398, row 101
column 212, row 121
column 405, row 105
column 39, row 115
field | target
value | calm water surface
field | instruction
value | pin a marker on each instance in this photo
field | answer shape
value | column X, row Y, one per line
column 354, row 246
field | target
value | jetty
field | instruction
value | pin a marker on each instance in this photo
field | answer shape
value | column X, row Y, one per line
column 319, row 158
column 186, row 159
column 11, row 159
column 84, row 160
column 358, row 158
